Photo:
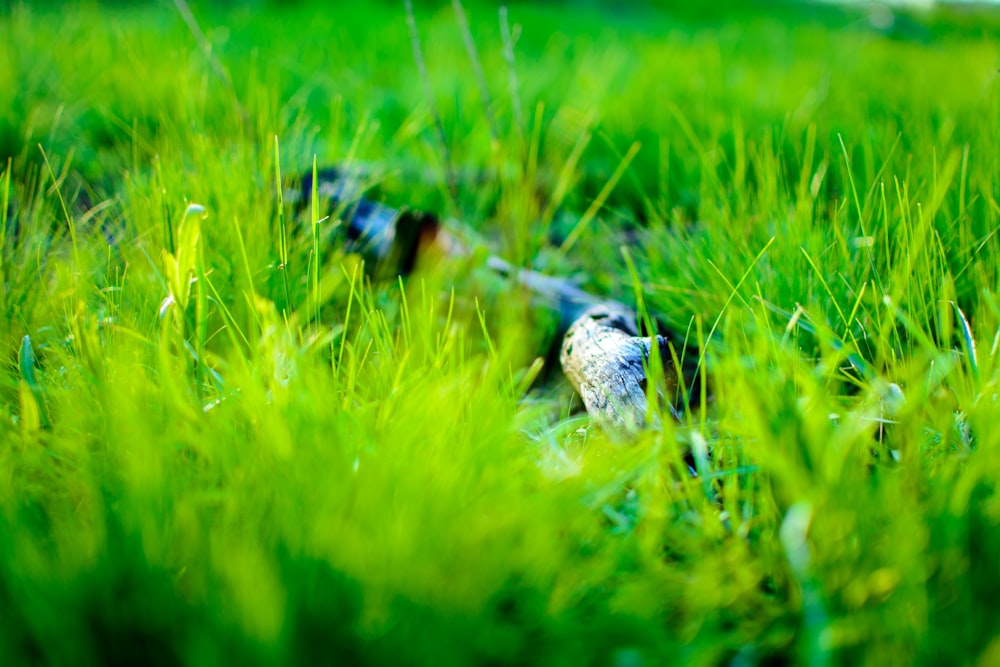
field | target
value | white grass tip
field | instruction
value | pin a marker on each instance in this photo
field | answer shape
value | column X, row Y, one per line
column 165, row 305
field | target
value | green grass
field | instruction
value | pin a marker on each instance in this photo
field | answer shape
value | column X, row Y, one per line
column 286, row 462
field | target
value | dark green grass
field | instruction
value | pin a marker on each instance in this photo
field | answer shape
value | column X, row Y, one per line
column 286, row 462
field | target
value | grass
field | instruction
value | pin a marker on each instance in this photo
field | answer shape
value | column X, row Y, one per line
column 220, row 441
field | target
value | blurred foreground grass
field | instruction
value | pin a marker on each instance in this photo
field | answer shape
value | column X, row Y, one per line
column 215, row 449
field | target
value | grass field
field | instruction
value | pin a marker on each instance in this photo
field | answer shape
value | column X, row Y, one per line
column 218, row 445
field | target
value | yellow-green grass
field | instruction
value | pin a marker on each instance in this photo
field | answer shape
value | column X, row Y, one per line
column 216, row 445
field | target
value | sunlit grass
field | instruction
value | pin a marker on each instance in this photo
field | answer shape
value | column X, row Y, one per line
column 222, row 440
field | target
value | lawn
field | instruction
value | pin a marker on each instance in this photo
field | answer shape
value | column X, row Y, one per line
column 221, row 440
